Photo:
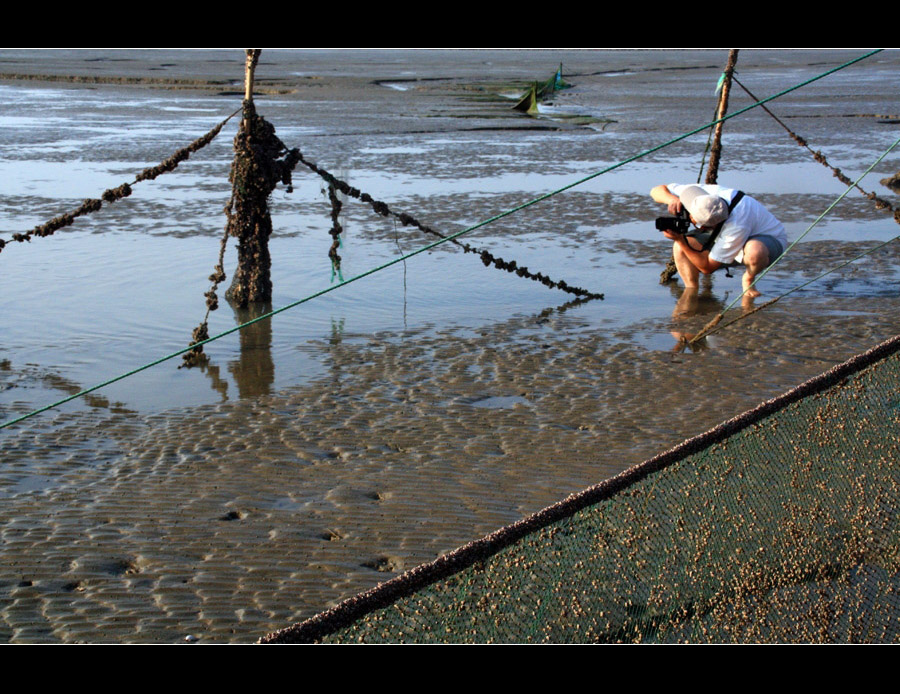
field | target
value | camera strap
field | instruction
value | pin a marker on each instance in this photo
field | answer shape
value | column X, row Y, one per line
column 715, row 232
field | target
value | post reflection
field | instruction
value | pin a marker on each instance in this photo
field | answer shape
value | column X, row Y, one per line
column 254, row 371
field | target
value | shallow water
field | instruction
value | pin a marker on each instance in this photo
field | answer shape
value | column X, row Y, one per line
column 401, row 415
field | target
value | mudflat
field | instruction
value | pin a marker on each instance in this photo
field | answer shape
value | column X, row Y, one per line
column 393, row 420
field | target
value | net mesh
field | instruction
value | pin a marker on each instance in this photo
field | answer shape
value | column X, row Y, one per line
column 778, row 526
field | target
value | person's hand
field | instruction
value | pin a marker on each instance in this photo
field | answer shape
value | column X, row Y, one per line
column 671, row 235
column 675, row 206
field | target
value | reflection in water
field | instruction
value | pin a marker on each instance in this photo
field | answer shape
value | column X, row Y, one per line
column 219, row 384
column 400, row 250
column 544, row 316
column 334, row 346
column 695, row 301
column 337, row 332
column 684, row 342
column 254, row 372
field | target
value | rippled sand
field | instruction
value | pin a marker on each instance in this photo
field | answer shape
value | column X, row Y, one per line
column 229, row 521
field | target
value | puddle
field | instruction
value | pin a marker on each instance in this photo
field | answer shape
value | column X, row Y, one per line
column 500, row 402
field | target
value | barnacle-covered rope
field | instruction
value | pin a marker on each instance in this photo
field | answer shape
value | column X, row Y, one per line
column 880, row 203
column 405, row 219
column 123, row 191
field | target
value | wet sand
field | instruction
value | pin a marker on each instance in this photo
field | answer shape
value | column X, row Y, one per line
column 227, row 520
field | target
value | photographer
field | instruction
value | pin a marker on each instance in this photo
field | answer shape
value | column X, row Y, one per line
column 733, row 229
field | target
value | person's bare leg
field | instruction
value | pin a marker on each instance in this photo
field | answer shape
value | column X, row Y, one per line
column 687, row 303
column 686, row 270
column 756, row 259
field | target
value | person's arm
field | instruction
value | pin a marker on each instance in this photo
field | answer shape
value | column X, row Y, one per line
column 661, row 193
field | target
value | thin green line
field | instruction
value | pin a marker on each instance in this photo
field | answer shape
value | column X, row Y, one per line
column 428, row 247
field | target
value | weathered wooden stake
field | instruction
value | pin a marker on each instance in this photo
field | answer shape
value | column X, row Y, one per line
column 712, row 171
column 252, row 60
column 261, row 161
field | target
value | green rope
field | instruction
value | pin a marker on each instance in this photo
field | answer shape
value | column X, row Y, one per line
column 428, row 247
column 800, row 286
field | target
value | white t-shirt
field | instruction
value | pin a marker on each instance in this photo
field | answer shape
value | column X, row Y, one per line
column 748, row 219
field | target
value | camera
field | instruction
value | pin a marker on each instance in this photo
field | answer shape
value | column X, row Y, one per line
column 679, row 224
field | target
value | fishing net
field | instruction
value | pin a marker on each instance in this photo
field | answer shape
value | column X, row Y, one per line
column 780, row 525
column 540, row 91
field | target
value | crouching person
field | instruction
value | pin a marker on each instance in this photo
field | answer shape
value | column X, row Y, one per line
column 732, row 229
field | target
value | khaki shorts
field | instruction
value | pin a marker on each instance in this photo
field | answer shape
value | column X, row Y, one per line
column 772, row 244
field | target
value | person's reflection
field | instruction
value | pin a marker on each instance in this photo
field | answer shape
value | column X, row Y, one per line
column 254, row 372
column 696, row 301
column 693, row 302
column 747, row 303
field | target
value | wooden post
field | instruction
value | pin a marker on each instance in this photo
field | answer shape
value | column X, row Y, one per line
column 261, row 162
column 252, row 59
column 712, row 172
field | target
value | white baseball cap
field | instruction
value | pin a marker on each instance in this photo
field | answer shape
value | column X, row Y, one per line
column 707, row 210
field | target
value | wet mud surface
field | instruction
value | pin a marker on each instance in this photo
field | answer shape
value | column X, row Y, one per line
column 312, row 459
